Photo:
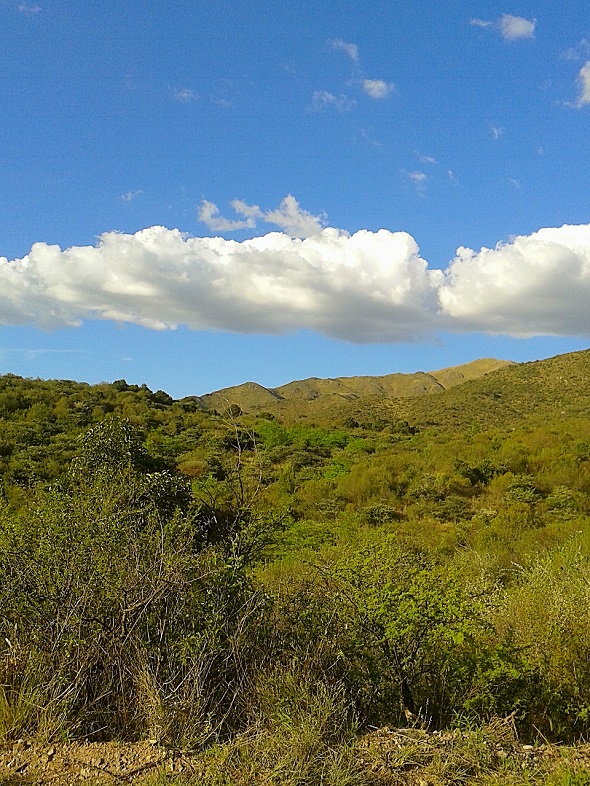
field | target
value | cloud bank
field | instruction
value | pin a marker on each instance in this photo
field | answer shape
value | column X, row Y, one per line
column 365, row 287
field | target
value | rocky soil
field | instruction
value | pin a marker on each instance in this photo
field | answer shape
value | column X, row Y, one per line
column 88, row 763
column 389, row 757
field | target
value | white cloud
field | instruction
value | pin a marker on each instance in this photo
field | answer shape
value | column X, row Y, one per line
column 185, row 96
column 208, row 214
column 289, row 216
column 418, row 180
column 496, row 132
column 322, row 99
column 511, row 28
column 369, row 286
column 584, row 82
column 535, row 285
column 129, row 196
column 577, row 52
column 366, row 287
column 423, row 159
column 513, row 182
column 293, row 220
column 351, row 50
column 515, row 27
column 377, row 88
column 248, row 211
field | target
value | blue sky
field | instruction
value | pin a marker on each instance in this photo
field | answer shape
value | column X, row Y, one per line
column 197, row 194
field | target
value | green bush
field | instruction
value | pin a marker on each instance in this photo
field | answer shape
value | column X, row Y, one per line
column 547, row 616
column 117, row 616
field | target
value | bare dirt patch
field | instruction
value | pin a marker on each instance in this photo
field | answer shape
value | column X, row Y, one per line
column 386, row 757
column 89, row 763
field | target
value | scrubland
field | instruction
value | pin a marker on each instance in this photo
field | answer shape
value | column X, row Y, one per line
column 377, row 591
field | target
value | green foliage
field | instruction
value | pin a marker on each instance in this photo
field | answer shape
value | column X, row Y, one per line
column 416, row 559
column 140, row 623
column 547, row 616
column 413, row 622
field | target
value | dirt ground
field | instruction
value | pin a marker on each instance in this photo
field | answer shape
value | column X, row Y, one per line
column 392, row 756
column 88, row 763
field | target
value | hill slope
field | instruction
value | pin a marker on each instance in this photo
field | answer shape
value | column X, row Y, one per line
column 542, row 390
column 252, row 397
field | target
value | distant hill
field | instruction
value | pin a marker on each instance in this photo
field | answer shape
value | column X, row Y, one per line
column 542, row 390
column 251, row 397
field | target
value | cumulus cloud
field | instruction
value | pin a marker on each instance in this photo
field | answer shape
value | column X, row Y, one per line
column 535, row 285
column 377, row 88
column 349, row 49
column 418, row 180
column 293, row 220
column 26, row 8
column 515, row 27
column 289, row 216
column 417, row 177
column 511, row 28
column 584, row 83
column 364, row 287
column 322, row 99
column 208, row 214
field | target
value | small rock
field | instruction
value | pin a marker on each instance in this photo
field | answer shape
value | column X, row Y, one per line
column 48, row 755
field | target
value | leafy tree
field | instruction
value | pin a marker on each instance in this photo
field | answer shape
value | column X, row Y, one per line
column 414, row 623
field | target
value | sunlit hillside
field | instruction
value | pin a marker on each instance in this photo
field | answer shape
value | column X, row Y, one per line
column 266, row 584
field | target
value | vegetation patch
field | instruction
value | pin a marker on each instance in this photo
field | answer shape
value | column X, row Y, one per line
column 352, row 598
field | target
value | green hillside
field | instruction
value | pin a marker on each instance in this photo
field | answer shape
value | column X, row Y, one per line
column 542, row 391
column 267, row 581
column 251, row 397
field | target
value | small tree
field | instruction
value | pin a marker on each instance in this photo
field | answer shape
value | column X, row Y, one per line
column 412, row 624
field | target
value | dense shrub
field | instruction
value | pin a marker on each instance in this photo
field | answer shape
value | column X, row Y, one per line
column 118, row 617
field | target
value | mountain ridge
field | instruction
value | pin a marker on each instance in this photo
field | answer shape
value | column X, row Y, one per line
column 253, row 397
